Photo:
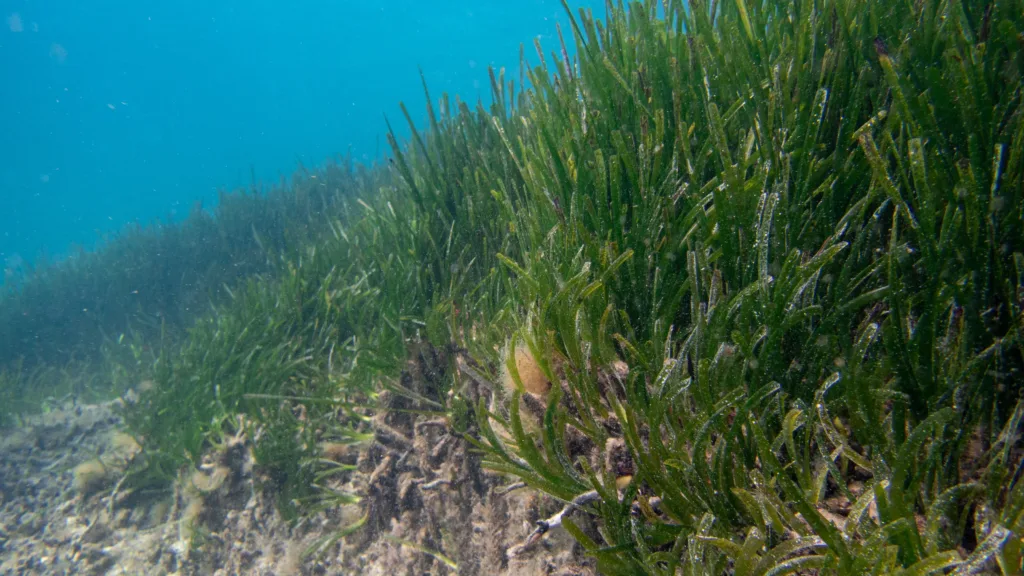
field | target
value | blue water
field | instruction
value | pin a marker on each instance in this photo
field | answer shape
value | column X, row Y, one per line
column 115, row 111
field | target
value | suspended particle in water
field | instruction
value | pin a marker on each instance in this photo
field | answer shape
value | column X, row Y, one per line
column 58, row 53
column 14, row 23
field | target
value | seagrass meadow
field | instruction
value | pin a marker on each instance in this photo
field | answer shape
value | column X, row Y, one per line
column 766, row 257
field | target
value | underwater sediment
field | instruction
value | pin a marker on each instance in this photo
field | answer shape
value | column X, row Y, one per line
column 61, row 514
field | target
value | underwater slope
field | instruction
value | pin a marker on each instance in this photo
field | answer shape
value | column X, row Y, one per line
column 64, row 323
column 145, row 279
column 742, row 286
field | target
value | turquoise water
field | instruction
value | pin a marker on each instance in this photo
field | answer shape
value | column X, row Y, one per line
column 120, row 111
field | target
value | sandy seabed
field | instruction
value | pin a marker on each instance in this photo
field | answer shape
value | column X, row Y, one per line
column 433, row 494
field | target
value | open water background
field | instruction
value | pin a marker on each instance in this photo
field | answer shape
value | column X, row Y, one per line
column 119, row 111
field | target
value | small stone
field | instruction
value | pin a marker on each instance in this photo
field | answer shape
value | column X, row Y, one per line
column 30, row 523
column 95, row 533
column 98, row 563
